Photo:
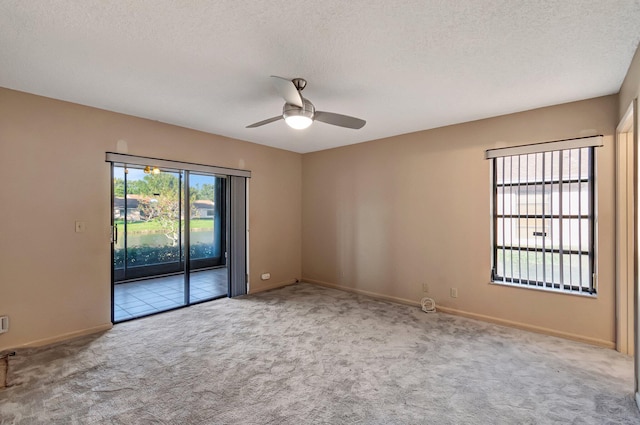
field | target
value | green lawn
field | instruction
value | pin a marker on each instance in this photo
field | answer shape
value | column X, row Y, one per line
column 149, row 226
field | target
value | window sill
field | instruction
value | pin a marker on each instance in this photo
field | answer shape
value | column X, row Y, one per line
column 544, row 289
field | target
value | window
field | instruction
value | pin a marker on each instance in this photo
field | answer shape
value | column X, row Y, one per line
column 543, row 216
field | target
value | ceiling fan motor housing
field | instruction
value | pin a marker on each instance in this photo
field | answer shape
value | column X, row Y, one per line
column 308, row 110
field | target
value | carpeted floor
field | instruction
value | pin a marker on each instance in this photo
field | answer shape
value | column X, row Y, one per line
column 310, row 355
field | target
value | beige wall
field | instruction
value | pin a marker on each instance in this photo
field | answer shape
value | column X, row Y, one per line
column 386, row 216
column 630, row 89
column 55, row 282
column 376, row 217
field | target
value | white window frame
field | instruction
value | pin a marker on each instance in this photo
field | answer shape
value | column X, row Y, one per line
column 515, row 276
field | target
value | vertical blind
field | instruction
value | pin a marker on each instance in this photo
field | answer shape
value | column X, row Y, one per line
column 237, row 236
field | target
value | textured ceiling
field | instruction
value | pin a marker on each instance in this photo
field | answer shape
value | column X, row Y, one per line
column 403, row 66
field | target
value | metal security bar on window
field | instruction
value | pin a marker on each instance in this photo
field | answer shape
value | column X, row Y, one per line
column 544, row 219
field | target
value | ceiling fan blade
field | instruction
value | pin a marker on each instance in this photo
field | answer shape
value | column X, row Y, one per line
column 267, row 121
column 339, row 120
column 287, row 90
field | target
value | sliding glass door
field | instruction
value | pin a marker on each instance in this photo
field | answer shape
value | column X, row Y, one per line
column 169, row 243
column 147, row 222
column 208, row 278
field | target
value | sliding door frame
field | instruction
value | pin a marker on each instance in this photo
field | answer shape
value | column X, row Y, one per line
column 235, row 216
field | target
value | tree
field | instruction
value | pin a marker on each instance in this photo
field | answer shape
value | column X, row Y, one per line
column 207, row 191
column 165, row 210
column 162, row 202
column 118, row 187
column 163, row 184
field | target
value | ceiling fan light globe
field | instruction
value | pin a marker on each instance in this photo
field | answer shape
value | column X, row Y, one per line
column 298, row 122
column 297, row 117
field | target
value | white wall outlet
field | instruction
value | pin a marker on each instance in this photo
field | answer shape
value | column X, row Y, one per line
column 265, row 276
column 425, row 287
column 454, row 292
column 81, row 226
column 4, row 324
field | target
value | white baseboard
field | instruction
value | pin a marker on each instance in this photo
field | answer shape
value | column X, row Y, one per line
column 66, row 336
column 530, row 328
column 272, row 286
column 476, row 316
column 363, row 292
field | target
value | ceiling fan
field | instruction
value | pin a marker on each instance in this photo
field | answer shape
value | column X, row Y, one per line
column 299, row 112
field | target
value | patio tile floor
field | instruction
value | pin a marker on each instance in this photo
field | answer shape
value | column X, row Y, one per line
column 144, row 297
